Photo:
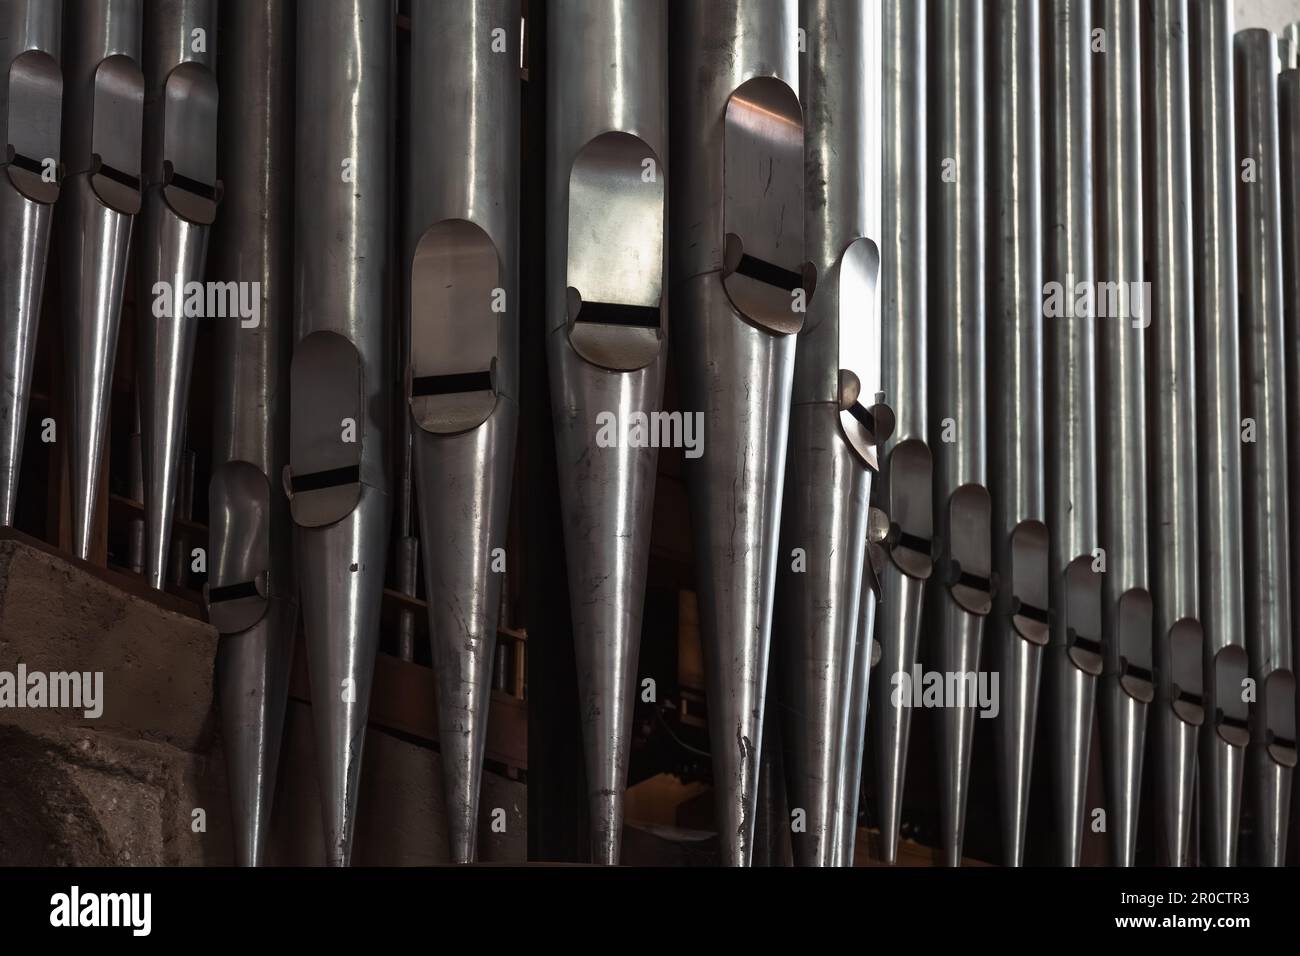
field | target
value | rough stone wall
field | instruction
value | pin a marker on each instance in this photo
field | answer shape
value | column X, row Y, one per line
column 119, row 789
column 122, row 789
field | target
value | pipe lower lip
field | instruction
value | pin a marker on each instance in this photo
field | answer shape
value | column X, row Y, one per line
column 959, row 635
column 1021, row 664
column 464, row 505
column 341, row 573
column 26, row 241
column 95, row 246
column 735, row 489
column 1074, row 693
column 900, row 616
column 253, row 670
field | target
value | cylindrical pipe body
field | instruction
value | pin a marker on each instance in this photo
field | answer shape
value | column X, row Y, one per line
column 903, row 492
column 31, row 99
column 1173, row 437
column 1074, row 660
column 1018, row 627
column 958, row 403
column 1265, row 519
column 1226, row 732
column 341, row 379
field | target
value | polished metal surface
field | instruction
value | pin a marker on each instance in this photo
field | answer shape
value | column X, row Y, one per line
column 829, row 461
column 772, row 818
column 102, row 116
column 31, row 98
column 1174, row 437
column 1265, row 520
column 607, row 176
column 1073, row 660
column 181, row 193
column 341, row 381
column 866, row 654
column 958, row 403
column 252, row 588
column 904, row 491
column 1018, row 626
column 463, row 376
column 734, row 81
column 1126, row 686
column 1225, row 733
column 1290, row 43
column 862, row 351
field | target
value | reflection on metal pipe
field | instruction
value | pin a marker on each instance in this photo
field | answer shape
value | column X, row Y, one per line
column 962, row 507
column 837, row 418
column 1265, row 521
column 31, row 100
column 772, row 824
column 1290, row 43
column 1019, row 626
column 1127, row 684
column 102, row 116
column 135, row 486
column 904, row 494
column 866, row 655
column 1074, row 659
column 741, row 287
column 866, row 651
column 1214, row 175
column 337, row 478
column 252, row 588
column 1174, row 436
column 462, row 384
column 181, row 193
column 607, row 351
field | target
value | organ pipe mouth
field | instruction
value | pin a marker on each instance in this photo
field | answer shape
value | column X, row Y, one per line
column 1083, row 603
column 31, row 130
column 1132, row 650
column 968, row 564
column 458, row 303
column 764, row 271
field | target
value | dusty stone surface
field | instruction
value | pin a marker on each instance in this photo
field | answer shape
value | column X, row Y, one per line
column 119, row 789
column 74, row 797
column 122, row 789
column 157, row 664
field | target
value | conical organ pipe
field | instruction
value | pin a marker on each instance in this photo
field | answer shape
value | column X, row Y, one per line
column 907, row 467
column 607, row 181
column 1288, row 124
column 1265, row 521
column 866, row 654
column 1127, row 683
column 837, row 419
column 1289, row 128
column 741, row 288
column 462, row 385
column 1074, row 658
column 1226, row 731
column 181, row 193
column 31, row 100
column 1019, row 625
column 252, row 588
column 1173, row 437
column 102, row 117
column 958, row 404
column 338, row 476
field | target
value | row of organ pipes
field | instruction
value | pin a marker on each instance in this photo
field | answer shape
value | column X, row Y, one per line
column 857, row 208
